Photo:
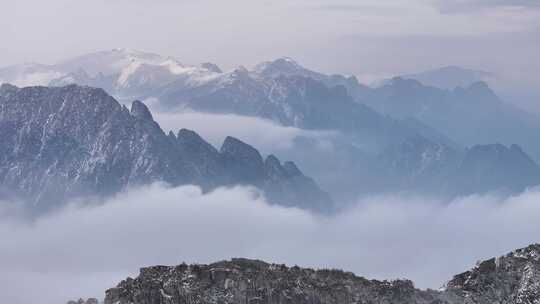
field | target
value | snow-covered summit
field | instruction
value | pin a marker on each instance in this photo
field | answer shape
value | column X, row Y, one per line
column 110, row 62
column 284, row 66
column 122, row 72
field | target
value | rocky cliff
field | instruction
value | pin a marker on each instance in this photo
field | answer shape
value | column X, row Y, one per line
column 252, row 281
column 510, row 279
column 58, row 143
column 513, row 278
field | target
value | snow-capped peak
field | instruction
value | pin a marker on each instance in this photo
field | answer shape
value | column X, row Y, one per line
column 284, row 66
column 132, row 68
column 110, row 62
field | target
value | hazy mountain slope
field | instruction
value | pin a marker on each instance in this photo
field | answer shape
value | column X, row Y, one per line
column 379, row 153
column 450, row 77
column 468, row 115
column 58, row 143
column 438, row 169
column 297, row 101
column 513, row 278
column 420, row 164
column 495, row 167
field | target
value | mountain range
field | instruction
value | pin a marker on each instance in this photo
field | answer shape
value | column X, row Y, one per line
column 71, row 132
column 280, row 90
column 61, row 143
column 403, row 135
column 510, row 279
column 450, row 77
column 468, row 115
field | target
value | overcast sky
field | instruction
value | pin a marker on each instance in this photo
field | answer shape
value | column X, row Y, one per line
column 369, row 38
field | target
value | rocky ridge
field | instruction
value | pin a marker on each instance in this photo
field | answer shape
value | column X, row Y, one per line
column 513, row 278
column 58, row 143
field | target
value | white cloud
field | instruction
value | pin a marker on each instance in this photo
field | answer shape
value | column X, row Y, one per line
column 82, row 251
column 262, row 134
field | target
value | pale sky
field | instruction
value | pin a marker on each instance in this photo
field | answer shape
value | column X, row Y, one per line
column 370, row 38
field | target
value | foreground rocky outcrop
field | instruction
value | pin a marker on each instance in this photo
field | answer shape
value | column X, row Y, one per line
column 58, row 143
column 513, row 278
column 510, row 279
column 252, row 281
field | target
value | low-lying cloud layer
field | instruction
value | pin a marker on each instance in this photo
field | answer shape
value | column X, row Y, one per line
column 263, row 134
column 81, row 251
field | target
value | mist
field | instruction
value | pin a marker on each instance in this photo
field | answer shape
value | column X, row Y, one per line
column 81, row 251
column 263, row 134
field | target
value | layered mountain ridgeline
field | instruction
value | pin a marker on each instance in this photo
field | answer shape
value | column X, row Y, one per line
column 510, row 279
column 402, row 135
column 286, row 93
column 281, row 90
column 488, row 167
column 450, row 77
column 439, row 169
column 65, row 142
column 290, row 94
column 469, row 115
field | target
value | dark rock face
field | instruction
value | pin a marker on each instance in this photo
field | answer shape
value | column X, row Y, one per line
column 280, row 177
column 243, row 159
column 205, row 157
column 252, row 281
column 58, row 143
column 285, row 183
column 511, row 279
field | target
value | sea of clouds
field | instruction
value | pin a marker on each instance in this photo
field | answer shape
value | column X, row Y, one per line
column 80, row 251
